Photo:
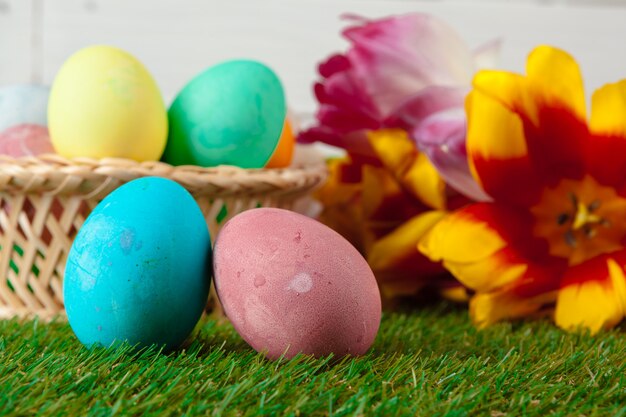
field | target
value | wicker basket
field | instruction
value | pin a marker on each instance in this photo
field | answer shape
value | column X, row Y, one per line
column 45, row 200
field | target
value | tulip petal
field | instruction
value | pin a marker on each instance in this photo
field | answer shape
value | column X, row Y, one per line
column 394, row 247
column 606, row 151
column 608, row 110
column 448, row 240
column 550, row 105
column 455, row 293
column 436, row 121
column 399, row 267
column 487, row 247
column 508, row 89
column 555, row 78
column 345, row 93
column 468, row 248
column 405, row 54
column 426, row 102
column 346, row 110
column 498, row 153
column 411, row 169
column 593, row 294
column 442, row 138
column 385, row 205
column 334, row 64
column 487, row 55
column 489, row 308
column 484, row 246
column 423, row 181
column 342, row 210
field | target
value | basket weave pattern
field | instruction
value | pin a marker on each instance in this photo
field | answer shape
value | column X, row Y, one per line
column 45, row 200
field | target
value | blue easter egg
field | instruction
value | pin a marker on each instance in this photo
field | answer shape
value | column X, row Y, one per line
column 139, row 269
column 230, row 114
column 23, row 104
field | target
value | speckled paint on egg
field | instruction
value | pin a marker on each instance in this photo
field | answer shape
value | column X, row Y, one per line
column 289, row 284
column 139, row 269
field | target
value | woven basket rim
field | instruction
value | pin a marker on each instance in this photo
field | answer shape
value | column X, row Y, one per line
column 53, row 174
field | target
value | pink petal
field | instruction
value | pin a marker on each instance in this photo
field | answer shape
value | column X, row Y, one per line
column 345, row 111
column 343, row 121
column 355, row 143
column 442, row 138
column 334, row 64
column 344, row 92
column 401, row 55
column 426, row 102
column 487, row 55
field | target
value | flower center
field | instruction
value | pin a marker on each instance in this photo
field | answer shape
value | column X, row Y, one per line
column 580, row 219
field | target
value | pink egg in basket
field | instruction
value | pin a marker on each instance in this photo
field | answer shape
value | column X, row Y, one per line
column 25, row 140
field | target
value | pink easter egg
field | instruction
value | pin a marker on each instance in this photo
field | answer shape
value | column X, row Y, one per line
column 290, row 285
column 25, row 140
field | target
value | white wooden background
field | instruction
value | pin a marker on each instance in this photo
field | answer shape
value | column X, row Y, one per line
column 178, row 38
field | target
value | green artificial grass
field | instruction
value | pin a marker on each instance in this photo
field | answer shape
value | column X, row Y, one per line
column 430, row 362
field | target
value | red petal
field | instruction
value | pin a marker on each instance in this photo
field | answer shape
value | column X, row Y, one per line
column 555, row 145
column 606, row 160
column 592, row 270
column 509, row 180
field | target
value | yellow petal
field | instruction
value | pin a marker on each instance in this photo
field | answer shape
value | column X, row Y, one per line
column 618, row 280
column 411, row 169
column 334, row 191
column 424, row 181
column 554, row 77
column 489, row 308
column 461, row 238
column 402, row 242
column 394, row 148
column 608, row 110
column 494, row 132
column 382, row 195
column 508, row 89
column 473, row 249
column 385, row 205
column 594, row 304
column 487, row 274
column 342, row 205
column 457, row 294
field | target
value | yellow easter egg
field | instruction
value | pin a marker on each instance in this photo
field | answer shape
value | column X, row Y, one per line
column 104, row 103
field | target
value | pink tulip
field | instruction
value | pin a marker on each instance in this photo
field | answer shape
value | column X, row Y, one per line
column 411, row 71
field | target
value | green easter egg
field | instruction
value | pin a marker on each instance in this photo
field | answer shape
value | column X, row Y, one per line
column 230, row 114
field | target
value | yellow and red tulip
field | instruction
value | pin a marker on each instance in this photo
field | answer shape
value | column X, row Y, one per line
column 554, row 232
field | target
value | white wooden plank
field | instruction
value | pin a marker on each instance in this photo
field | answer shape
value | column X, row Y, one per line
column 15, row 41
column 178, row 39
